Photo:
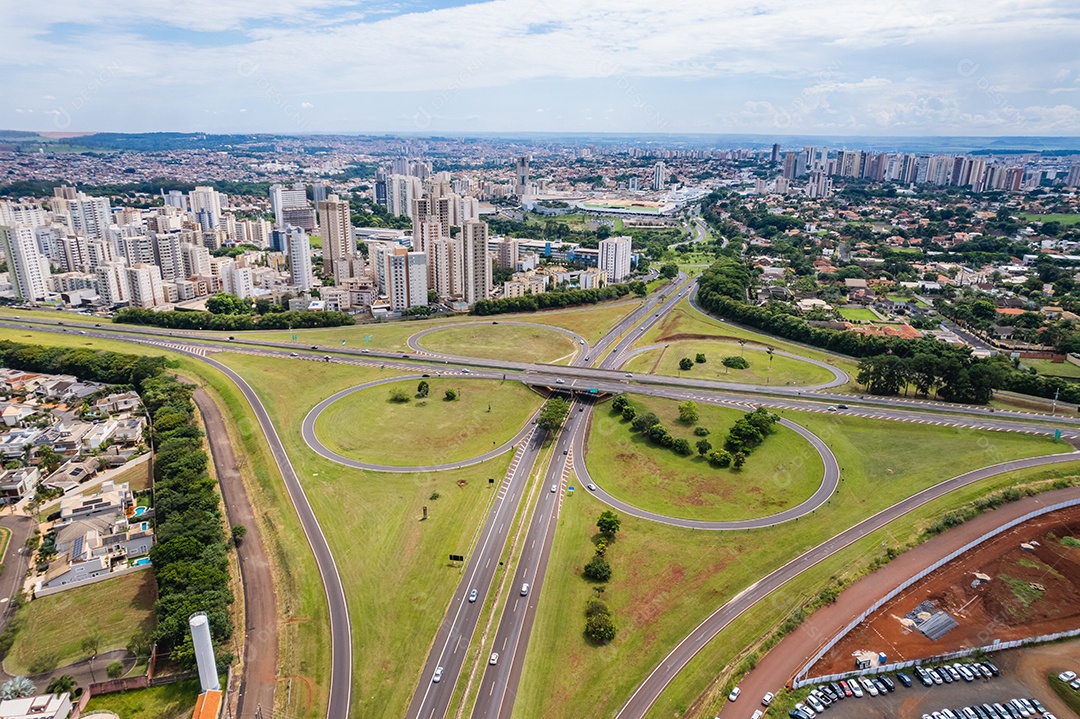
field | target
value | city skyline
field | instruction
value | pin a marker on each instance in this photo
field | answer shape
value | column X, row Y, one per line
column 918, row 68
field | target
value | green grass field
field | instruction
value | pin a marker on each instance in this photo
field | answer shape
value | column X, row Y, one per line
column 591, row 322
column 685, row 320
column 114, row 610
column 1070, row 219
column 502, row 342
column 366, row 425
column 668, row 579
column 169, row 701
column 394, row 566
column 779, row 370
column 52, row 316
column 859, row 314
column 1058, row 369
column 780, row 474
column 902, row 298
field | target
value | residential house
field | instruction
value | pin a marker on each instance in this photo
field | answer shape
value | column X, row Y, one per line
column 13, row 444
column 18, row 483
column 71, row 474
column 43, row 706
column 112, row 499
column 99, row 434
column 96, row 553
column 66, row 438
column 129, row 431
column 15, row 412
column 120, row 402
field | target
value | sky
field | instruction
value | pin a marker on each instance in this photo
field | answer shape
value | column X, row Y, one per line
column 835, row 67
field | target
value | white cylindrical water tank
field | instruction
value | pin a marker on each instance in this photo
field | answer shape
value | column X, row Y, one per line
column 204, row 651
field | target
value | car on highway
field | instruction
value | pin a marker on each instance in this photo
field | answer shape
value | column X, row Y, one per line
column 494, row 659
column 629, row 374
column 560, row 381
column 314, row 347
column 293, row 354
column 581, row 342
column 734, row 694
column 364, row 352
column 554, row 488
column 841, row 406
column 472, row 596
column 437, row 676
column 565, row 452
column 591, row 486
column 524, row 589
column 465, row 370
column 82, row 332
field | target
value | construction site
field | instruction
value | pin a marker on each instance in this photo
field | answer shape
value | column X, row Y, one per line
column 1022, row 583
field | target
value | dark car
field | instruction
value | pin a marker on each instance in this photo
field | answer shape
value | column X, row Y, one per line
column 990, row 665
column 837, row 690
column 314, row 347
column 903, row 679
column 887, row 682
column 796, row 714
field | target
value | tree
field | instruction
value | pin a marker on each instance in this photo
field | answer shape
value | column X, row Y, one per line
column 608, row 523
column 450, row 395
column 619, row 402
column 686, row 364
column 67, row 683
column 115, row 669
column 682, row 447
column 738, row 460
column 643, row 422
column 17, row 688
column 399, row 396
column 719, row 458
column 239, row 531
column 700, row 358
column 598, row 569
column 688, row 412
column 629, row 413
column 422, row 389
column 224, row 303
column 703, row 447
column 553, row 414
column 701, row 431
column 600, row 628
column 49, row 459
column 669, row 270
column 742, row 345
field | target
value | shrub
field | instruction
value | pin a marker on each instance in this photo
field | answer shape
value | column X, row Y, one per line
column 719, row 458
column 629, row 413
column 736, row 362
column 399, row 396
column 598, row 569
column 701, row 431
column 704, row 446
column 700, row 358
column 686, row 364
column 682, row 446
column 600, row 628
column 115, row 669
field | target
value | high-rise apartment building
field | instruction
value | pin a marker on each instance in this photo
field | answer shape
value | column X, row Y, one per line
column 299, row 259
column 287, row 198
column 614, row 259
column 659, row 176
column 27, row 268
column 475, row 262
column 521, row 176
column 144, row 282
column 196, row 261
column 338, row 244
column 111, row 283
column 401, row 190
column 90, row 216
column 205, row 200
column 406, row 279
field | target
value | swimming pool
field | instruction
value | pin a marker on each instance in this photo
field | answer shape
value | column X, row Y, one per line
column 140, row 562
column 140, row 510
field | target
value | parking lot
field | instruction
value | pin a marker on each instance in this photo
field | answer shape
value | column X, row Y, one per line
column 1022, row 675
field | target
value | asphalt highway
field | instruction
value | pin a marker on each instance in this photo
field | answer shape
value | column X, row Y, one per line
column 448, row 652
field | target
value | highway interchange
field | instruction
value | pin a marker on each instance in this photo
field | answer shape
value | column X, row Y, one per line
column 449, row 650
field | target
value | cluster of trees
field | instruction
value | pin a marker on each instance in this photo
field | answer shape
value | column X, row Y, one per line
column 553, row 414
column 556, row 298
column 748, row 432
column 189, row 558
column 599, row 626
column 182, row 320
column 84, row 363
column 649, row 425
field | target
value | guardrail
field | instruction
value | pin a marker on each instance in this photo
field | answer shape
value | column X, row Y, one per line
column 801, row 677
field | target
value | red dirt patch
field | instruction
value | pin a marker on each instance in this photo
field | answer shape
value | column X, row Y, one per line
column 1030, row 592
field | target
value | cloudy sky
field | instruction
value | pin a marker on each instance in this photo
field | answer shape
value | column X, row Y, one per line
column 870, row 67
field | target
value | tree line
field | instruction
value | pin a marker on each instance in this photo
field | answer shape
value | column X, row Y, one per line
column 556, row 298
column 186, row 320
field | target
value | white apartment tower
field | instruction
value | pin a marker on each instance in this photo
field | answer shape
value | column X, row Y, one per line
column 90, row 216
column 521, row 176
column 206, row 199
column 111, row 283
column 401, row 190
column 299, row 259
column 285, row 198
column 27, row 268
column 659, row 176
column 614, row 260
column 338, row 245
column 144, row 280
column 406, row 279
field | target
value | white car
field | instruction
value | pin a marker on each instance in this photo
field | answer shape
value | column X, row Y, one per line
column 1067, row 676
column 592, row 487
column 560, row 381
column 734, row 694
column 554, row 488
column 767, row 699
column 757, row 714
column 437, row 676
column 494, row 658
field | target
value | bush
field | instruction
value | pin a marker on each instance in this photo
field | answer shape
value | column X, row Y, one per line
column 686, row 364
column 701, row 431
column 704, row 446
column 682, row 446
column 598, row 569
column 400, row 396
column 629, row 413
column 719, row 458
column 736, row 362
column 115, row 669
column 600, row 628
column 699, row 358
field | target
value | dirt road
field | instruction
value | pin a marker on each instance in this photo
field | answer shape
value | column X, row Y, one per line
column 261, row 639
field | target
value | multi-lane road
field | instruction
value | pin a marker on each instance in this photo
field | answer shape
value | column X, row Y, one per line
column 594, row 366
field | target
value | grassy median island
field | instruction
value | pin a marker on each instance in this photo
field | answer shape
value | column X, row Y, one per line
column 514, row 343
column 371, row 426
column 113, row 611
column 393, row 564
column 784, row 471
column 667, row 580
column 776, row 371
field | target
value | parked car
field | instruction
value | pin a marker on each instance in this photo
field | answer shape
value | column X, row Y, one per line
column 734, row 694
column 903, row 679
column 767, row 699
